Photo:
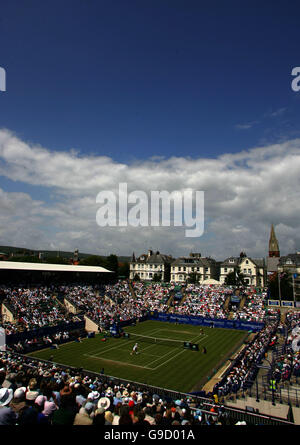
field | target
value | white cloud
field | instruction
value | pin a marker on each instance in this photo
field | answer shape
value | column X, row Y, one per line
column 244, row 193
column 268, row 115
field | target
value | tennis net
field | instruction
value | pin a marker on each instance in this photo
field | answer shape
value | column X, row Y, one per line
column 154, row 340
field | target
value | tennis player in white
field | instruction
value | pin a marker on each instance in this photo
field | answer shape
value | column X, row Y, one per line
column 134, row 349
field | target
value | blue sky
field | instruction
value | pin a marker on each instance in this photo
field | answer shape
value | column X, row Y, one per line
column 132, row 80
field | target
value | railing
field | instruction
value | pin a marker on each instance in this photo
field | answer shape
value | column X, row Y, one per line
column 48, row 330
column 284, row 394
column 204, row 403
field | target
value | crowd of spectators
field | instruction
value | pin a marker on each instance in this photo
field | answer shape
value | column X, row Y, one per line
column 287, row 364
column 203, row 300
column 244, row 367
column 36, row 393
column 68, row 398
column 255, row 309
column 107, row 304
column 33, row 308
column 154, row 297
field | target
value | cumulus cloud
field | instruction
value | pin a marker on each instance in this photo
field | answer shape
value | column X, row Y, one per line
column 244, row 193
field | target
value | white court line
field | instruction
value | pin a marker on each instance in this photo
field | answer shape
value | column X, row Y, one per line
column 107, row 349
column 116, row 361
column 159, row 357
column 162, row 364
column 181, row 352
column 167, row 354
column 99, row 357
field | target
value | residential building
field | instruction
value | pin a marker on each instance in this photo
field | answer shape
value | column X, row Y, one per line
column 149, row 265
column 290, row 264
column 252, row 269
column 201, row 268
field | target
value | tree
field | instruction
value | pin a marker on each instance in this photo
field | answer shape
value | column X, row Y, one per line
column 56, row 260
column 156, row 277
column 124, row 270
column 193, row 278
column 93, row 260
column 112, row 263
column 286, row 287
column 25, row 259
column 235, row 278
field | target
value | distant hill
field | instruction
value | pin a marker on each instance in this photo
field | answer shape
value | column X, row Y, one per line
column 23, row 252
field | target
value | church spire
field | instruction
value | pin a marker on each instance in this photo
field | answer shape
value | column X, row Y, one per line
column 273, row 244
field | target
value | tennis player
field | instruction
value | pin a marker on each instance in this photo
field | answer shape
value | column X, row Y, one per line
column 134, row 349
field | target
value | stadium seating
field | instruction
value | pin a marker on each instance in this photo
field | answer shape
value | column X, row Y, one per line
column 40, row 312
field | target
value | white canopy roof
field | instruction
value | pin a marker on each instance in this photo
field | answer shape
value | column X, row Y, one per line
column 18, row 265
column 211, row 281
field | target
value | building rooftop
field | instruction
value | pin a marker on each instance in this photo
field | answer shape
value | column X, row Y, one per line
column 18, row 265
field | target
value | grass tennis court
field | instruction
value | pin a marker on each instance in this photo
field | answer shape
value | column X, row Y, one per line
column 160, row 364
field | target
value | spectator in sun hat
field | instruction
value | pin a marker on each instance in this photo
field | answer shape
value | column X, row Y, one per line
column 19, row 401
column 9, row 381
column 125, row 393
column 80, row 400
column 49, row 408
column 85, row 415
column 40, row 400
column 109, row 392
column 7, row 415
column 133, row 395
column 103, row 402
column 99, row 417
column 31, row 396
column 93, row 397
column 117, row 398
column 108, row 417
column 139, row 398
column 39, row 406
column 32, row 384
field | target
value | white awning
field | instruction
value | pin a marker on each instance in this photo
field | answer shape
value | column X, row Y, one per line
column 40, row 267
column 211, row 281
